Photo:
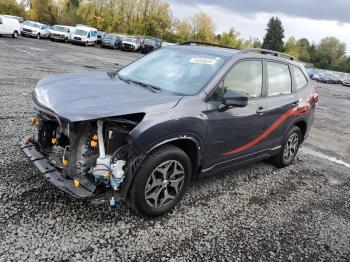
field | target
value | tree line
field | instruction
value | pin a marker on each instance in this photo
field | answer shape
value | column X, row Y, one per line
column 154, row 18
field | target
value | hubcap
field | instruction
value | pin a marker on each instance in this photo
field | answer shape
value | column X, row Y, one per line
column 164, row 183
column 291, row 147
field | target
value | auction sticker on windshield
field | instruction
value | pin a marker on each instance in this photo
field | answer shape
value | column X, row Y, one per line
column 201, row 60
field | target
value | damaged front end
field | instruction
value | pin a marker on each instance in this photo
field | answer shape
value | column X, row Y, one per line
column 89, row 160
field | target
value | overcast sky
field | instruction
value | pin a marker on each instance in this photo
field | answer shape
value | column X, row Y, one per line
column 313, row 19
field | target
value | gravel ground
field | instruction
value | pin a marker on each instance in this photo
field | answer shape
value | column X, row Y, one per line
column 257, row 213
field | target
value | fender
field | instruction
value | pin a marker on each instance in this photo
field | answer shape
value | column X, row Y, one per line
column 192, row 137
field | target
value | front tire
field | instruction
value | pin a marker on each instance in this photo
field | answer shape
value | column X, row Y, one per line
column 289, row 149
column 15, row 34
column 160, row 182
column 38, row 36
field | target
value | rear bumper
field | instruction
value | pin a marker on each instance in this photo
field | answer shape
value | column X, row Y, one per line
column 53, row 175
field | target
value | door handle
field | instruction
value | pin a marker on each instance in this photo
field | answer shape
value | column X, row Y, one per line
column 260, row 110
column 295, row 103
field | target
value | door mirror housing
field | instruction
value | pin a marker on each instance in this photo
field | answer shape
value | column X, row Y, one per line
column 233, row 98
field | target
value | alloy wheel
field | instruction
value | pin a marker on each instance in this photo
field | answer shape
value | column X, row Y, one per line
column 164, row 184
column 291, row 147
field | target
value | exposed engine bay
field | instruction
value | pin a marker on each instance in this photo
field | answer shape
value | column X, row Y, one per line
column 94, row 154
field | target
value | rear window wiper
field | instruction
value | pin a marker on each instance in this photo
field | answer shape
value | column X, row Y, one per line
column 148, row 86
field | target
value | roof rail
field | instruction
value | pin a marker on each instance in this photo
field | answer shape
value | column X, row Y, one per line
column 205, row 43
column 266, row 51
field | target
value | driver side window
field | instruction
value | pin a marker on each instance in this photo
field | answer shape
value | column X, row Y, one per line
column 245, row 77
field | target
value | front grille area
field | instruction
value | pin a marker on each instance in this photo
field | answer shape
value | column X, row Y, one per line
column 128, row 46
column 58, row 35
column 27, row 30
column 77, row 38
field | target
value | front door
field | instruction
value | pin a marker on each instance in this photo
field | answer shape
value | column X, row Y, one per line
column 233, row 134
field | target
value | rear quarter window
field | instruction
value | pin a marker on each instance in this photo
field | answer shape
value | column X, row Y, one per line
column 279, row 80
column 299, row 78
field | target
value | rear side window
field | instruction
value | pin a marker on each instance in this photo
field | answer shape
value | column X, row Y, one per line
column 245, row 77
column 278, row 79
column 299, row 78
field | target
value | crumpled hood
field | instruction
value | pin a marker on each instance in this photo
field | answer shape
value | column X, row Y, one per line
column 93, row 95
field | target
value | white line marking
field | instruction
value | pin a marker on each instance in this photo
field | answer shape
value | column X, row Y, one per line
column 24, row 51
column 324, row 156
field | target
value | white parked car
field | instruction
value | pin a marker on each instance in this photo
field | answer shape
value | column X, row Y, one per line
column 9, row 26
column 130, row 44
column 61, row 33
column 84, row 35
column 35, row 29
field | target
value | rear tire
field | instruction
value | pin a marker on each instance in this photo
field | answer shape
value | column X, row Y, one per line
column 160, row 182
column 15, row 34
column 289, row 149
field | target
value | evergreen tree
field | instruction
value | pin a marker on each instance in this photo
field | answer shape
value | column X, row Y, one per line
column 273, row 39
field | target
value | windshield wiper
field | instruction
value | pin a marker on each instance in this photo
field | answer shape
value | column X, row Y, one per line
column 148, row 86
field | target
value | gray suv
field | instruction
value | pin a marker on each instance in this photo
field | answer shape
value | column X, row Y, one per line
column 143, row 133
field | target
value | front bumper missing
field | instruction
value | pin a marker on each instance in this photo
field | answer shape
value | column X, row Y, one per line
column 52, row 174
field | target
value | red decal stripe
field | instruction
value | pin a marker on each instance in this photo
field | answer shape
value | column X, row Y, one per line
column 302, row 108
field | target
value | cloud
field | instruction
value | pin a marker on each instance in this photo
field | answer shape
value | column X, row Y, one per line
column 254, row 24
column 335, row 10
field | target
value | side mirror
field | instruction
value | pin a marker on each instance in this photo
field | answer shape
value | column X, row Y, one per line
column 234, row 98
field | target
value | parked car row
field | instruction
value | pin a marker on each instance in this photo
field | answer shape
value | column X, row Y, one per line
column 80, row 34
column 329, row 77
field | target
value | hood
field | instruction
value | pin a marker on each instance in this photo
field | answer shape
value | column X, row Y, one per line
column 30, row 27
column 130, row 43
column 93, row 95
column 57, row 32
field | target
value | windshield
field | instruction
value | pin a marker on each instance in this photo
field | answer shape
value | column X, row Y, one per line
column 179, row 71
column 150, row 42
column 130, row 40
column 29, row 23
column 111, row 37
column 80, row 32
column 59, row 28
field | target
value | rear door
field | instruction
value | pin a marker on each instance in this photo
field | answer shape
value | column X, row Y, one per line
column 232, row 133
column 279, row 103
